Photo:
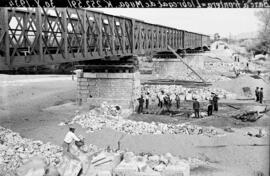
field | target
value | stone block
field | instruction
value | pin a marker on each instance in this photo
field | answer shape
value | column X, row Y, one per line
column 82, row 80
column 102, row 75
column 124, row 103
column 83, row 83
column 89, row 75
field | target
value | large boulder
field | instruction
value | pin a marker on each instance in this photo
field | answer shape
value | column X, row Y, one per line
column 35, row 166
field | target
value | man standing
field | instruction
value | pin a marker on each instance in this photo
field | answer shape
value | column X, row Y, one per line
column 158, row 98
column 141, row 101
column 177, row 99
column 147, row 100
column 196, row 108
column 161, row 98
column 261, row 95
column 167, row 102
column 257, row 93
column 215, row 102
column 210, row 108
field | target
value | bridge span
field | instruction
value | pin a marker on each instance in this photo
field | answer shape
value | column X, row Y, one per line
column 40, row 36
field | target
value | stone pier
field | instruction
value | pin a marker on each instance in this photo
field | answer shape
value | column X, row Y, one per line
column 115, row 88
column 175, row 68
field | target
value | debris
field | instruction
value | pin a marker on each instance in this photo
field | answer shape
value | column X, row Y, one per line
column 94, row 161
column 250, row 116
column 94, row 121
column 203, row 93
column 69, row 167
column 15, row 150
column 228, row 129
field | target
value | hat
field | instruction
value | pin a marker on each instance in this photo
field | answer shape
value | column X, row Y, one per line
column 72, row 128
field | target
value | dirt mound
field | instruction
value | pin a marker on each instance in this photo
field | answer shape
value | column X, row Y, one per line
column 237, row 85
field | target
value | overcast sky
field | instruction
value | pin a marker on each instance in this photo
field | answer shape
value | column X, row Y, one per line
column 206, row 21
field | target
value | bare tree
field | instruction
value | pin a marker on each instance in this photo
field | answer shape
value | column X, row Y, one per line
column 264, row 33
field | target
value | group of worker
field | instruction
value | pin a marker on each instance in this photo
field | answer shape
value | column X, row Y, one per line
column 165, row 101
column 212, row 105
column 259, row 94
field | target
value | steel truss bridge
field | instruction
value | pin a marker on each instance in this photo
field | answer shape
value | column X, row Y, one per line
column 40, row 36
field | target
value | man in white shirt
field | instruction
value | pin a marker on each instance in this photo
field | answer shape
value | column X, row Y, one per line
column 70, row 136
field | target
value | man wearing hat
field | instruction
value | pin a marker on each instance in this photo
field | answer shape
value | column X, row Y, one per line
column 70, row 136
column 196, row 108
column 257, row 90
column 261, row 95
column 141, row 102
column 215, row 102
column 147, row 97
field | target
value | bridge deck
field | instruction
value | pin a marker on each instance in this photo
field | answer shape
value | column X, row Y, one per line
column 39, row 36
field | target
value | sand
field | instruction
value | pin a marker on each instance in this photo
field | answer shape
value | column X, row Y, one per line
column 35, row 108
column 236, row 85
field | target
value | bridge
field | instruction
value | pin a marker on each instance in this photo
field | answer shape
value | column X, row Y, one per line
column 40, row 36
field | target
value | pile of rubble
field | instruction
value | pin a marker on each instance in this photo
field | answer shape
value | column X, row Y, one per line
column 14, row 150
column 95, row 121
column 26, row 157
column 201, row 94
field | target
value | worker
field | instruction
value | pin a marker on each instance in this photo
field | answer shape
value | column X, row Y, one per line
column 215, row 102
column 210, row 107
column 177, row 100
column 141, row 101
column 161, row 97
column 235, row 57
column 69, row 138
column 167, row 102
column 147, row 100
column 196, row 108
column 159, row 102
column 257, row 93
column 261, row 95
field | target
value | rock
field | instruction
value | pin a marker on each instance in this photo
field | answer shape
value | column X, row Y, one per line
column 69, row 167
column 160, row 167
column 34, row 166
column 154, row 158
column 52, row 171
column 94, row 120
column 229, row 130
column 181, row 168
column 19, row 150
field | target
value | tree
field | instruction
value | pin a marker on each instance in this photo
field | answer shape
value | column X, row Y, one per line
column 264, row 32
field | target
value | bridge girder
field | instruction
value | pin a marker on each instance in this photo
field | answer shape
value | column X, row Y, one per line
column 38, row 36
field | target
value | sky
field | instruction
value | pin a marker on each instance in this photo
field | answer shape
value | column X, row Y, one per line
column 226, row 22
